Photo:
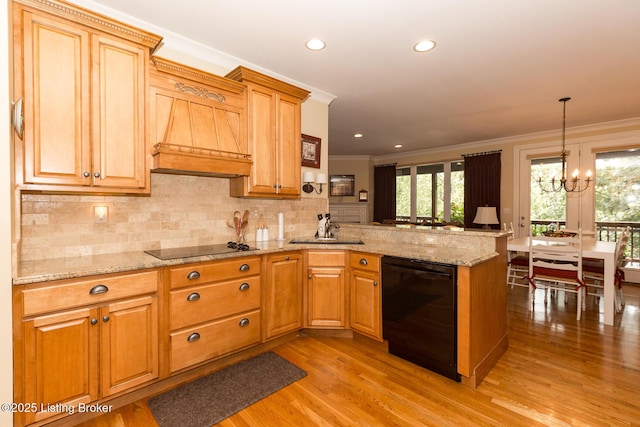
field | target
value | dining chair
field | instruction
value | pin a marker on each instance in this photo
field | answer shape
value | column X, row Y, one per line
column 517, row 265
column 594, row 273
column 555, row 264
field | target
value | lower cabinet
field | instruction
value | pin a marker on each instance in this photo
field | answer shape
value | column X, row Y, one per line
column 326, row 296
column 85, row 340
column 366, row 294
column 214, row 309
column 282, row 300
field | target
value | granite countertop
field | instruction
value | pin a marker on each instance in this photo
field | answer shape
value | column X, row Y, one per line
column 74, row 267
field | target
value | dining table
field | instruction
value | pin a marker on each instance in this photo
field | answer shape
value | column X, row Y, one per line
column 591, row 248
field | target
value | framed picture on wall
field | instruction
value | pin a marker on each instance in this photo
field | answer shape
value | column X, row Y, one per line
column 342, row 185
column 311, row 151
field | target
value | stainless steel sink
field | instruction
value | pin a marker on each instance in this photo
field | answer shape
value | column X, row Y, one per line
column 328, row 240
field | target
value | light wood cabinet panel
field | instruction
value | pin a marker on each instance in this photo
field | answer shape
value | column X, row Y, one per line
column 282, row 301
column 274, row 137
column 60, row 361
column 82, row 79
column 366, row 294
column 326, row 296
column 74, row 354
column 129, row 343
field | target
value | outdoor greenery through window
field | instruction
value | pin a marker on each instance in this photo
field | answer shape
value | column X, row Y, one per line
column 547, row 206
column 430, row 192
column 618, row 186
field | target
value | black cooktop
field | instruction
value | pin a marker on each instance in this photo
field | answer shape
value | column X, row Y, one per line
column 193, row 251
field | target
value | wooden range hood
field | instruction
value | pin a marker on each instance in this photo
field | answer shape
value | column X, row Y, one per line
column 197, row 122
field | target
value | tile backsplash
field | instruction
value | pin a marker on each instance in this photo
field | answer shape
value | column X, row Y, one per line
column 181, row 211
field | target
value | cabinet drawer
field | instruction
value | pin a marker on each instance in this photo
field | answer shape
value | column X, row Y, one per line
column 364, row 261
column 203, row 303
column 326, row 258
column 65, row 294
column 206, row 272
column 213, row 339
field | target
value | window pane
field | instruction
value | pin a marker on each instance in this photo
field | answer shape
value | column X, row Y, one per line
column 423, row 200
column 547, row 206
column 618, row 186
column 457, row 194
column 403, row 193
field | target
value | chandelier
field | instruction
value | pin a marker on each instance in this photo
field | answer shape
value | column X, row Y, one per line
column 571, row 184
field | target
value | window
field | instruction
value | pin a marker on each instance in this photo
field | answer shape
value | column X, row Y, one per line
column 430, row 192
column 547, row 206
column 617, row 196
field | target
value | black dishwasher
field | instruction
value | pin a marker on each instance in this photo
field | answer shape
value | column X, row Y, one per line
column 419, row 313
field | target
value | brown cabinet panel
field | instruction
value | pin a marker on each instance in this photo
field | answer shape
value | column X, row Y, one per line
column 202, row 342
column 282, row 296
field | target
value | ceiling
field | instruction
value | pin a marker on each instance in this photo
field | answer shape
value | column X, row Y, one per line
column 498, row 69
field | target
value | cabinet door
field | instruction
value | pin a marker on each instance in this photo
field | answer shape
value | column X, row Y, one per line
column 366, row 303
column 283, row 294
column 129, row 343
column 262, row 140
column 118, row 108
column 288, row 145
column 56, row 100
column 326, row 297
column 61, row 360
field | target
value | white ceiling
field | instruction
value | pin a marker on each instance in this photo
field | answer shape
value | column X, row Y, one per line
column 498, row 70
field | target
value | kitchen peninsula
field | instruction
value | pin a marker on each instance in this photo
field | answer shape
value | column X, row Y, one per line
column 140, row 283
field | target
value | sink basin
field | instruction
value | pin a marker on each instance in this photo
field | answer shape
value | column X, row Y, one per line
column 327, row 240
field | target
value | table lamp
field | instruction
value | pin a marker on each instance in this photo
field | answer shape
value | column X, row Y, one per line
column 486, row 215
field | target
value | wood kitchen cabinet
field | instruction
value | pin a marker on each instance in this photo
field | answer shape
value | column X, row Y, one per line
column 282, row 298
column 326, row 296
column 274, row 136
column 80, row 80
column 78, row 341
column 366, row 294
column 214, row 309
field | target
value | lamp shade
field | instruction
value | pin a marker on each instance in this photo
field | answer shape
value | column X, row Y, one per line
column 486, row 215
column 307, row 177
column 321, row 178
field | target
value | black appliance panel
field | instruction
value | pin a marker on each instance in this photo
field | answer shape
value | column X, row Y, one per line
column 419, row 313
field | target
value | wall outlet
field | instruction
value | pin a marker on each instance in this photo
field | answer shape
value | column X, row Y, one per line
column 431, row 240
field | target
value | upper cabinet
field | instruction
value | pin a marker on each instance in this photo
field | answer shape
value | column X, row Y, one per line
column 81, row 96
column 274, row 116
column 197, row 122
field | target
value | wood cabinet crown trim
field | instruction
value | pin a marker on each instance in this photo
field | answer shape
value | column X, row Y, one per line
column 194, row 74
column 247, row 75
column 94, row 20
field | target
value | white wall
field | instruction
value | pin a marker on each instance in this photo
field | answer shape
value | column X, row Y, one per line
column 6, row 198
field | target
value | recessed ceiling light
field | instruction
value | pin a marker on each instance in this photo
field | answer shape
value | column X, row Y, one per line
column 397, row 146
column 357, row 135
column 315, row 44
column 424, row 45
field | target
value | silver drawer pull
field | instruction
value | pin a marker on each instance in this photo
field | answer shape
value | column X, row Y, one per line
column 193, row 296
column 244, row 287
column 193, row 275
column 105, row 319
column 98, row 289
column 193, row 337
column 245, row 267
column 363, row 261
column 244, row 322
column 94, row 321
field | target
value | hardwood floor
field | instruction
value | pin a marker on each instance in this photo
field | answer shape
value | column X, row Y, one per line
column 557, row 372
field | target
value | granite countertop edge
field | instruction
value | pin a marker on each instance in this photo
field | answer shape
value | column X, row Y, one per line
column 84, row 266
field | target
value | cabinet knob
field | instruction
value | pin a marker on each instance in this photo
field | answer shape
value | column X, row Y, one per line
column 375, row 283
column 98, row 289
column 363, row 261
column 193, row 337
column 94, row 321
column 105, row 319
column 244, row 322
column 244, row 287
column 193, row 296
column 286, row 258
column 245, row 267
column 193, row 275
column 96, row 174
column 309, row 276
column 86, row 174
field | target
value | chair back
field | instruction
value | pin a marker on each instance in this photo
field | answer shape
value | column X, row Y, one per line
column 556, row 258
